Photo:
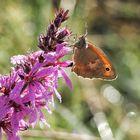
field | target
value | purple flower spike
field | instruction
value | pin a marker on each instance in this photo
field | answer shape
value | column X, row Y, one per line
column 33, row 81
column 55, row 35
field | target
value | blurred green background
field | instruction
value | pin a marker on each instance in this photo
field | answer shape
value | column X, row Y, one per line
column 95, row 109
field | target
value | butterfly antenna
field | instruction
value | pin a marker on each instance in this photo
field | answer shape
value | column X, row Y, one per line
column 86, row 27
column 72, row 38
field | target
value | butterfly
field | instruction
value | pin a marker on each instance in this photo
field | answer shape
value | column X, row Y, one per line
column 91, row 62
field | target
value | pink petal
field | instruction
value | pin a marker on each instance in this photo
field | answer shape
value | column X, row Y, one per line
column 14, row 123
column 66, row 63
column 17, row 89
column 58, row 95
column 67, row 80
column 45, row 72
column 33, row 116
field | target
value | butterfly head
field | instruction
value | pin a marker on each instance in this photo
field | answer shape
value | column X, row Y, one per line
column 81, row 43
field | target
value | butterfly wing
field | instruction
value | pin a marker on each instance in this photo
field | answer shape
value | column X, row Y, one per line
column 91, row 62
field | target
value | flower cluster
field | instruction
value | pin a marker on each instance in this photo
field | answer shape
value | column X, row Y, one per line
column 33, row 81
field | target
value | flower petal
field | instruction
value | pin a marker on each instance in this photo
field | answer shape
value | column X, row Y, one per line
column 59, row 48
column 18, row 59
column 33, row 117
column 31, row 93
column 0, row 133
column 17, row 89
column 62, row 50
column 67, row 80
column 58, row 95
column 14, row 123
column 66, row 63
column 42, row 119
column 4, row 108
column 45, row 72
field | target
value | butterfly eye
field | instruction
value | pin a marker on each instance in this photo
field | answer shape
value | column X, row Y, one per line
column 107, row 69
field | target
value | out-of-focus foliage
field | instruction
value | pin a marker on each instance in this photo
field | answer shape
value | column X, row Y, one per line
column 97, row 108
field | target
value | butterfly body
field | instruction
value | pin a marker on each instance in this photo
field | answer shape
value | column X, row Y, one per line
column 91, row 62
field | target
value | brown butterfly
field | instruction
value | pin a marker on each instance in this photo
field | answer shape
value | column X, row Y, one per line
column 91, row 62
